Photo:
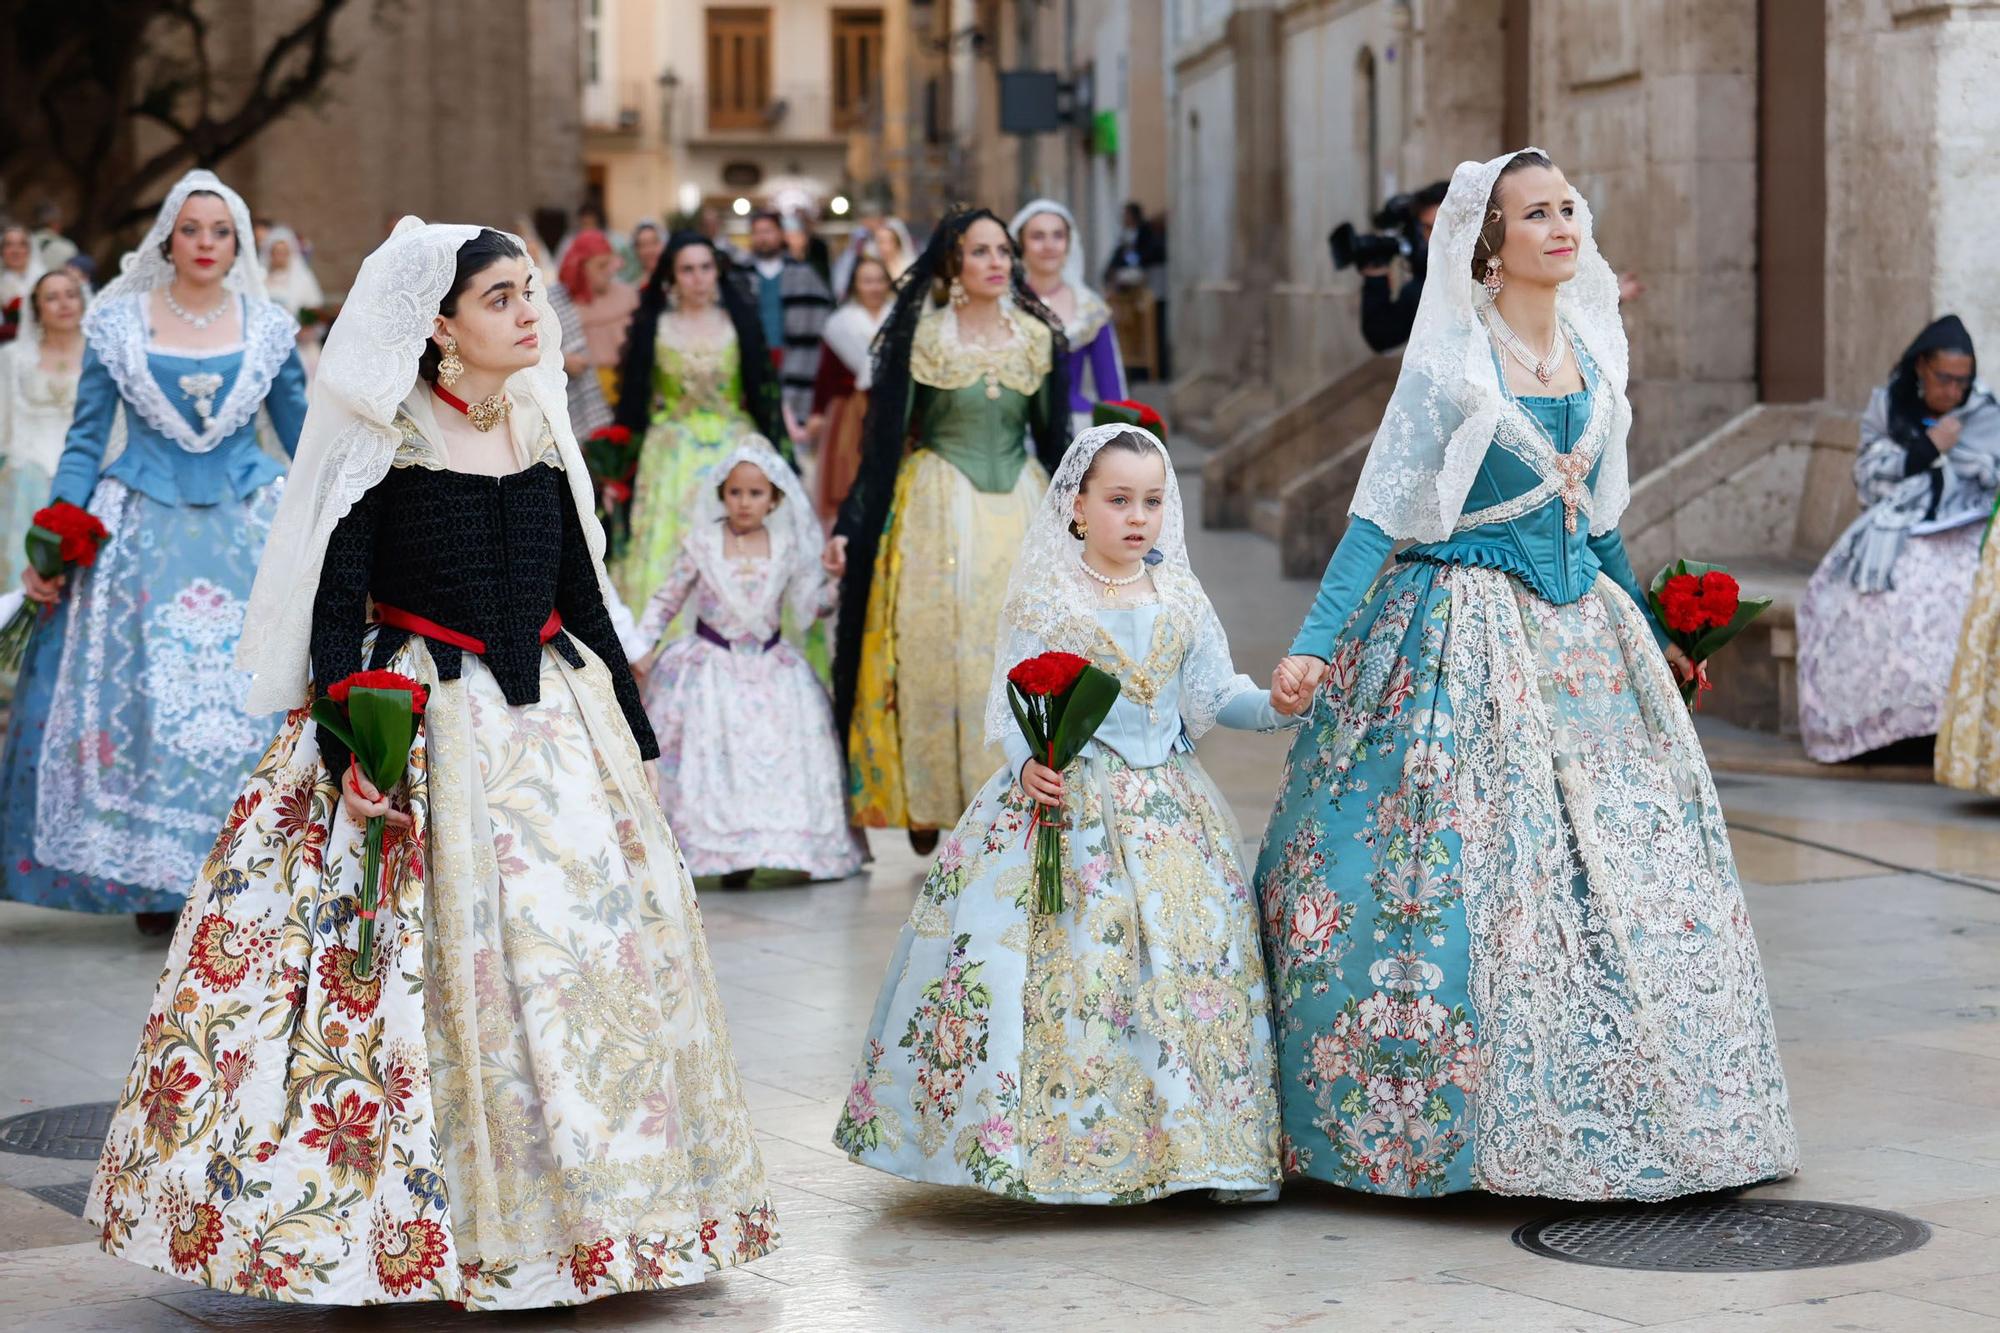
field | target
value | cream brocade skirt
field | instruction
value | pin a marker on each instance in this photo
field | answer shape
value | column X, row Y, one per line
column 531, row 1102
column 1968, row 738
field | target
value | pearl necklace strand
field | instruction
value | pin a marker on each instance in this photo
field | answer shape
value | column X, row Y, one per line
column 1111, row 585
column 181, row 312
column 1543, row 368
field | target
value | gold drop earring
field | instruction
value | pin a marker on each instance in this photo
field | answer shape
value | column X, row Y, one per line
column 958, row 293
column 1494, row 279
column 449, row 366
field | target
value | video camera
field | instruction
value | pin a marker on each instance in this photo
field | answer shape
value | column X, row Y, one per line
column 1396, row 235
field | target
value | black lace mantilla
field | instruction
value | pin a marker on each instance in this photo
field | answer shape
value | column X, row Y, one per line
column 488, row 557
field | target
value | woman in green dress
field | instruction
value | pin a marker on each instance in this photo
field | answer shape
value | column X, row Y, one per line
column 968, row 371
column 695, row 379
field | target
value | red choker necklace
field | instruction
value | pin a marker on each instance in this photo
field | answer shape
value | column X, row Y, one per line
column 484, row 414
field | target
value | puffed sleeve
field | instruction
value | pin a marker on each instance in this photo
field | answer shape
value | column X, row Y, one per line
column 580, row 600
column 340, row 609
column 89, row 432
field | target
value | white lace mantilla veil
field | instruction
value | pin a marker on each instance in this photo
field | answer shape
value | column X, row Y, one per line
column 1449, row 401
column 1051, row 603
column 796, row 536
column 349, row 440
column 1072, row 271
column 144, row 268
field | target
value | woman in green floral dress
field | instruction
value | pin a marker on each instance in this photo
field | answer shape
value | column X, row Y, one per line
column 695, row 379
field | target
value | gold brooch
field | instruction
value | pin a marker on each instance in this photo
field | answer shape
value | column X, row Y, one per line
column 488, row 412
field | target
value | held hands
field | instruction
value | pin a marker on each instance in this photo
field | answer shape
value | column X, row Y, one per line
column 39, row 589
column 1944, row 435
column 834, row 558
column 1294, row 683
column 1042, row 782
column 363, row 802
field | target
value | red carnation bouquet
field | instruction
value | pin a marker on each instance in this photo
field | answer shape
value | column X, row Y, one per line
column 374, row 713
column 1059, row 699
column 1702, row 608
column 613, row 462
column 62, row 538
column 1126, row 412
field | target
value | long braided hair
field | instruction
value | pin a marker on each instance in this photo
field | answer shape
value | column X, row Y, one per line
column 925, row 285
column 635, row 366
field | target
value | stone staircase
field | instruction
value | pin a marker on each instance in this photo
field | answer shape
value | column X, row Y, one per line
column 1289, row 474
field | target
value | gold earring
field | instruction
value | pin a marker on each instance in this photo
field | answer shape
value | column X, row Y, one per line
column 1494, row 280
column 958, row 293
column 449, row 366
column 1082, row 529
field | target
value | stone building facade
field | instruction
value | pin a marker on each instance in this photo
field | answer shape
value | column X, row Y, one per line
column 455, row 110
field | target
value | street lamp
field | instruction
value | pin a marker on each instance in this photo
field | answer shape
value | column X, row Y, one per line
column 839, row 205
column 741, row 207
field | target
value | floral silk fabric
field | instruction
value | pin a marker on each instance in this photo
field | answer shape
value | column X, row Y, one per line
column 1506, row 936
column 532, row 1102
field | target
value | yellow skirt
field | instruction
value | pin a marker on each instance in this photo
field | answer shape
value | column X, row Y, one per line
column 917, row 751
column 1968, row 738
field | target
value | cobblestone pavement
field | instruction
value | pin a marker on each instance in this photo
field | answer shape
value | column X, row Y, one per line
column 1877, row 905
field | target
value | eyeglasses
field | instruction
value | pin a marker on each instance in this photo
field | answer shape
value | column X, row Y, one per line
column 1950, row 381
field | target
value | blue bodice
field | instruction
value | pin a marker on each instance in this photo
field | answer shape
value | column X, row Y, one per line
column 190, row 420
column 1533, row 542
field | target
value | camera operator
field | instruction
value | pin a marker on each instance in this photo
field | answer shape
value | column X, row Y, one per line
column 1405, row 223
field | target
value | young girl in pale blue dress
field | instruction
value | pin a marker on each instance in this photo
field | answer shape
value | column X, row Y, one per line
column 1507, row 940
column 128, row 739
column 1119, row 1050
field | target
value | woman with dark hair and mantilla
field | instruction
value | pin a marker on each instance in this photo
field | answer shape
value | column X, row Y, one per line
column 968, row 371
column 1507, row 941
column 129, row 732
column 1879, row 623
column 529, row 1098
column 696, row 380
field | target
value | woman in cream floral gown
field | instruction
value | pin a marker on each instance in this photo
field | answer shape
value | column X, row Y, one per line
column 530, row 1098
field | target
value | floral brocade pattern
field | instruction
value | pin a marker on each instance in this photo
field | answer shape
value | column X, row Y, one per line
column 531, row 1103
column 1968, row 734
column 1114, row 1053
column 1876, row 667
column 1506, row 936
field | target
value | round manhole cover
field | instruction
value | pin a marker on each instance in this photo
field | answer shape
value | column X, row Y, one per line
column 1724, row 1236
column 72, row 1132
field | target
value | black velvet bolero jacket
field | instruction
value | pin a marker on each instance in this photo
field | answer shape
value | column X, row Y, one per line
column 487, row 557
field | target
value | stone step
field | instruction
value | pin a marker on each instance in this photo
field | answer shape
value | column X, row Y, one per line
column 1267, row 517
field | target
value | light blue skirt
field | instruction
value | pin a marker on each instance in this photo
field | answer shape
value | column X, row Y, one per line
column 128, row 739
column 1507, row 941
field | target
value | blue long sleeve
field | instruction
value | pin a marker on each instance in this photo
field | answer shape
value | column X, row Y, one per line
column 89, row 432
column 1609, row 549
column 1355, row 563
column 287, row 402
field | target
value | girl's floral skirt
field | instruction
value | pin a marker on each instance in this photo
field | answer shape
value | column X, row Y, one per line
column 1506, row 936
column 530, row 1101
column 1113, row 1053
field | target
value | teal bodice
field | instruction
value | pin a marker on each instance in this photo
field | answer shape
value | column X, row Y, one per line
column 1511, row 532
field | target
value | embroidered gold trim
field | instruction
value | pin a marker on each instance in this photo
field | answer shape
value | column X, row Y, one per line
column 941, row 360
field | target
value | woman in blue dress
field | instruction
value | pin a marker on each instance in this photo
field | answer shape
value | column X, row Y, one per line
column 1508, row 946
column 128, row 739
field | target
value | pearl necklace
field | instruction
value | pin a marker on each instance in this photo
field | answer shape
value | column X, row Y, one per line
column 1111, row 585
column 1543, row 368
column 187, row 316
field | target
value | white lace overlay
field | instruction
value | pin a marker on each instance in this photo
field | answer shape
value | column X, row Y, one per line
column 1449, row 400
column 1627, row 1049
column 117, row 332
column 148, row 734
column 1051, row 603
column 368, row 367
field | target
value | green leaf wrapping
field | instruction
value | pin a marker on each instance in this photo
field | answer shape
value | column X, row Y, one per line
column 1084, row 707
column 1714, row 637
column 384, row 724
column 45, row 552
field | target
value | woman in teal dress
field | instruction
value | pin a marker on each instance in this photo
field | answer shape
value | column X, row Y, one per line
column 695, row 380
column 1509, row 949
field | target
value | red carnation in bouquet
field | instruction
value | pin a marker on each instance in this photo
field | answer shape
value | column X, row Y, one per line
column 374, row 713
column 1702, row 608
column 613, row 462
column 1126, row 412
column 1059, row 700
column 63, row 537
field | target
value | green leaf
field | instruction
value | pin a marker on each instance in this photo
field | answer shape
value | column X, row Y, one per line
column 328, row 714
column 1089, row 700
column 45, row 552
column 1747, row 610
column 384, row 724
column 1029, row 720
